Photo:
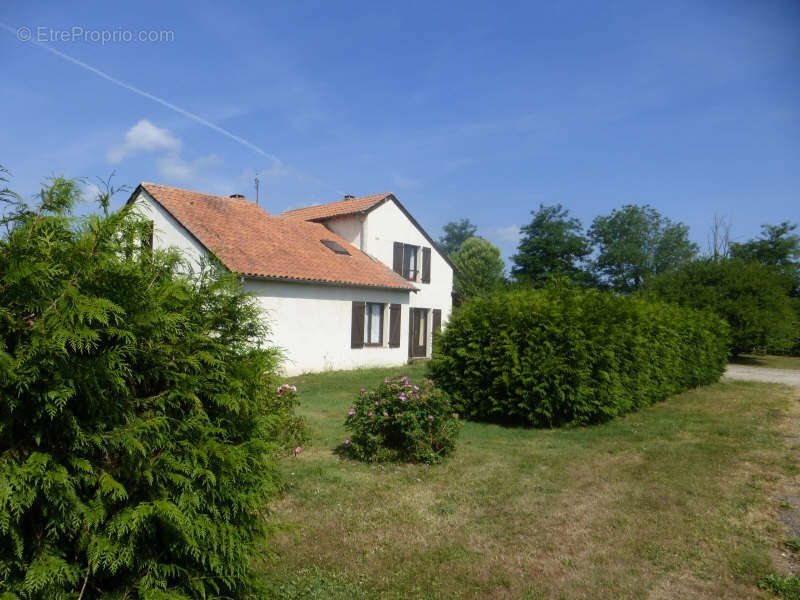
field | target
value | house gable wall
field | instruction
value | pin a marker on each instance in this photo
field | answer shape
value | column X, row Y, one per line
column 167, row 232
column 387, row 224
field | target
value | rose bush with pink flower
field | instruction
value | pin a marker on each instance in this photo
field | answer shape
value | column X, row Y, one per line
column 412, row 423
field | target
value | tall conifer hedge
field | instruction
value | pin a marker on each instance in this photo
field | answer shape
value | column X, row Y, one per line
column 568, row 356
column 139, row 419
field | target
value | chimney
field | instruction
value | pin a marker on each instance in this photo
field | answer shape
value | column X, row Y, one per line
column 239, row 196
column 349, row 197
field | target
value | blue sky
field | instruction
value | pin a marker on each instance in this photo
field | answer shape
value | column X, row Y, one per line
column 474, row 110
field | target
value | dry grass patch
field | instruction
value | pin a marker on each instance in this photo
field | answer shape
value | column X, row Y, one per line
column 670, row 502
column 769, row 360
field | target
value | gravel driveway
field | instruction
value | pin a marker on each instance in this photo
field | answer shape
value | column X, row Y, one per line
column 787, row 376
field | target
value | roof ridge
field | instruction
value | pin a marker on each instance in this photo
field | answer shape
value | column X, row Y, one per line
column 199, row 193
column 339, row 207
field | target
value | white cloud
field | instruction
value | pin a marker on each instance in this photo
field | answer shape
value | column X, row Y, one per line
column 174, row 167
column 508, row 234
column 90, row 192
column 277, row 169
column 144, row 136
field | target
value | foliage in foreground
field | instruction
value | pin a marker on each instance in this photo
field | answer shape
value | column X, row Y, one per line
column 569, row 356
column 753, row 298
column 139, row 415
column 401, row 421
column 783, row 586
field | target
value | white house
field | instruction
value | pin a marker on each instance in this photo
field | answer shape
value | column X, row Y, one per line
column 348, row 284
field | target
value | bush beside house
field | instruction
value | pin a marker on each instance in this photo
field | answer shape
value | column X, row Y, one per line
column 566, row 356
column 140, row 418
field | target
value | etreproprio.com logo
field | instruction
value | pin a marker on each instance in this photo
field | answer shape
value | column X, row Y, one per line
column 94, row 36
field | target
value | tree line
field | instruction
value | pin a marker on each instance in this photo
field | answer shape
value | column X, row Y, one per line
column 754, row 284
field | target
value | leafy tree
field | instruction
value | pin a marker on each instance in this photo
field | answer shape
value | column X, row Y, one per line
column 479, row 268
column 778, row 246
column 552, row 244
column 140, row 418
column 752, row 297
column 634, row 242
column 454, row 234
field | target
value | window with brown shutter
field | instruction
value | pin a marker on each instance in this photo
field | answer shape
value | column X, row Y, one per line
column 357, row 325
column 410, row 262
column 397, row 258
column 426, row 265
column 373, row 324
column 394, row 325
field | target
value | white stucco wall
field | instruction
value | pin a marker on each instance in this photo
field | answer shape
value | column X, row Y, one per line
column 347, row 227
column 312, row 324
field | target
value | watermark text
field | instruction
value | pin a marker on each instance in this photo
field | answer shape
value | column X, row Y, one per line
column 94, row 36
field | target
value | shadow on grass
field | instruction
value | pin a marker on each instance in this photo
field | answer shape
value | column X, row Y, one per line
column 750, row 360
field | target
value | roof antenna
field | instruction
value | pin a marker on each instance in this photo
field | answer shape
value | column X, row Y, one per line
column 258, row 183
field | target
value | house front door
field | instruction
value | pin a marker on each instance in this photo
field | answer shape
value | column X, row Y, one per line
column 418, row 334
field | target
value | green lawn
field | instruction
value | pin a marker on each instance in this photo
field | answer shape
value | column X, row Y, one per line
column 674, row 501
column 774, row 362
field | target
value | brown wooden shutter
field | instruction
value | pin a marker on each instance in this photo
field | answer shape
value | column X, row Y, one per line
column 426, row 265
column 357, row 326
column 397, row 259
column 394, row 326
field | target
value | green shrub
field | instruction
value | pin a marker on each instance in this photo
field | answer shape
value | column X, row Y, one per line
column 402, row 421
column 567, row 356
column 140, row 419
column 783, row 586
column 753, row 299
column 793, row 349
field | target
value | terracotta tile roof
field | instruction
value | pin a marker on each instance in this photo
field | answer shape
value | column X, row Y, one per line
column 251, row 242
column 347, row 206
